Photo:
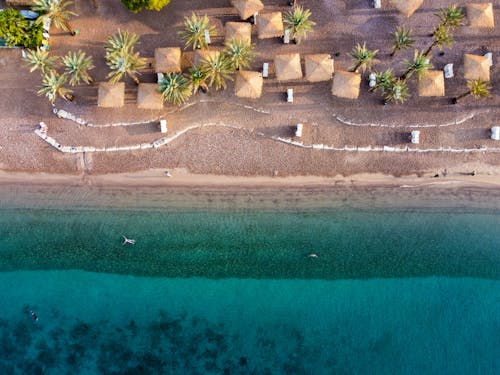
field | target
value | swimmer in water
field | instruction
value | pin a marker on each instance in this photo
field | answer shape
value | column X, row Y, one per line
column 128, row 240
column 313, row 255
column 34, row 316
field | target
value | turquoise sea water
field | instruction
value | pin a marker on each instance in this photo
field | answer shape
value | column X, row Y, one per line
column 206, row 291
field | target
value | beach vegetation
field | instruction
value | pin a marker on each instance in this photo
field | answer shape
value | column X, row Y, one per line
column 401, row 39
column 239, row 53
column 53, row 87
column 77, row 66
column 451, row 16
column 41, row 60
column 138, row 5
column 175, row 88
column 121, row 57
column 15, row 30
column 194, row 31
column 396, row 91
column 419, row 65
column 477, row 88
column 218, row 69
column 383, row 80
column 362, row 57
column 442, row 38
column 299, row 23
column 198, row 78
column 57, row 12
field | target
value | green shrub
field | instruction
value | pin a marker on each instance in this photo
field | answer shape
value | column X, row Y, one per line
column 17, row 31
column 137, row 5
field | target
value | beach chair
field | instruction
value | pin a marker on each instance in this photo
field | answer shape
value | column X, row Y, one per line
column 377, row 4
column 286, row 37
column 489, row 55
column 207, row 36
column 160, row 77
column 265, row 70
column 495, row 133
column 448, row 71
column 163, row 126
column 372, row 80
column 289, row 95
column 298, row 131
column 415, row 136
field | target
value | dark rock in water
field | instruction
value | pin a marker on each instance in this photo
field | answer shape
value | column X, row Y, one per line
column 243, row 361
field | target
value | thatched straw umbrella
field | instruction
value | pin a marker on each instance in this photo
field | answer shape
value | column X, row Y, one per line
column 431, row 83
column 318, row 67
column 346, row 84
column 247, row 8
column 476, row 67
column 238, row 30
column 480, row 15
column 270, row 25
column 248, row 84
column 148, row 96
column 111, row 95
column 204, row 54
column 407, row 7
column 287, row 67
column 167, row 60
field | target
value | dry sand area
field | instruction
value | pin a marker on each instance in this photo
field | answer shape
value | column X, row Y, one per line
column 248, row 150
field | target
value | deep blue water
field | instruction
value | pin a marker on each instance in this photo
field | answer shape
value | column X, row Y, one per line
column 398, row 291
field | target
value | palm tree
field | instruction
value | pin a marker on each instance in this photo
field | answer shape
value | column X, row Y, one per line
column 442, row 38
column 362, row 57
column 121, row 41
column 239, row 53
column 218, row 69
column 52, row 87
column 419, row 65
column 198, row 78
column 477, row 89
column 124, row 63
column 175, row 88
column 401, row 39
column 298, row 22
column 194, row 31
column 77, row 66
column 396, row 91
column 384, row 80
column 56, row 11
column 451, row 16
column 40, row 59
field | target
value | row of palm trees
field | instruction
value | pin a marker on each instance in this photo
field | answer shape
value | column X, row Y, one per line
column 75, row 65
column 395, row 89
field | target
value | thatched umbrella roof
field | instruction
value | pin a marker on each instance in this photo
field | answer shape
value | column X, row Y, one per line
column 269, row 25
column 318, row 67
column 167, row 60
column 476, row 67
column 346, row 84
column 407, row 7
column 204, row 54
column 238, row 30
column 480, row 15
column 111, row 95
column 248, row 84
column 148, row 96
column 247, row 8
column 287, row 67
column 431, row 84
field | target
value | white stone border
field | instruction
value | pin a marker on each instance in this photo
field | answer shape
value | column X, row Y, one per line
column 166, row 140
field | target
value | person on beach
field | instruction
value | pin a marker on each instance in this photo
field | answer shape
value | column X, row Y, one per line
column 128, row 241
column 34, row 316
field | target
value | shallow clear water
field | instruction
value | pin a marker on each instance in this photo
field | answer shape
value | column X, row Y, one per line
column 392, row 291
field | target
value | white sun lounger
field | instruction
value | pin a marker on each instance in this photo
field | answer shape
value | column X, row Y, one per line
column 289, row 95
column 265, row 70
column 160, row 77
column 415, row 136
column 298, row 131
column 207, row 36
column 489, row 55
column 163, row 126
column 448, row 71
column 286, row 37
column 495, row 133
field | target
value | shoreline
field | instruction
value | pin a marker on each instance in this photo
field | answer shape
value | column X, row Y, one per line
column 153, row 190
